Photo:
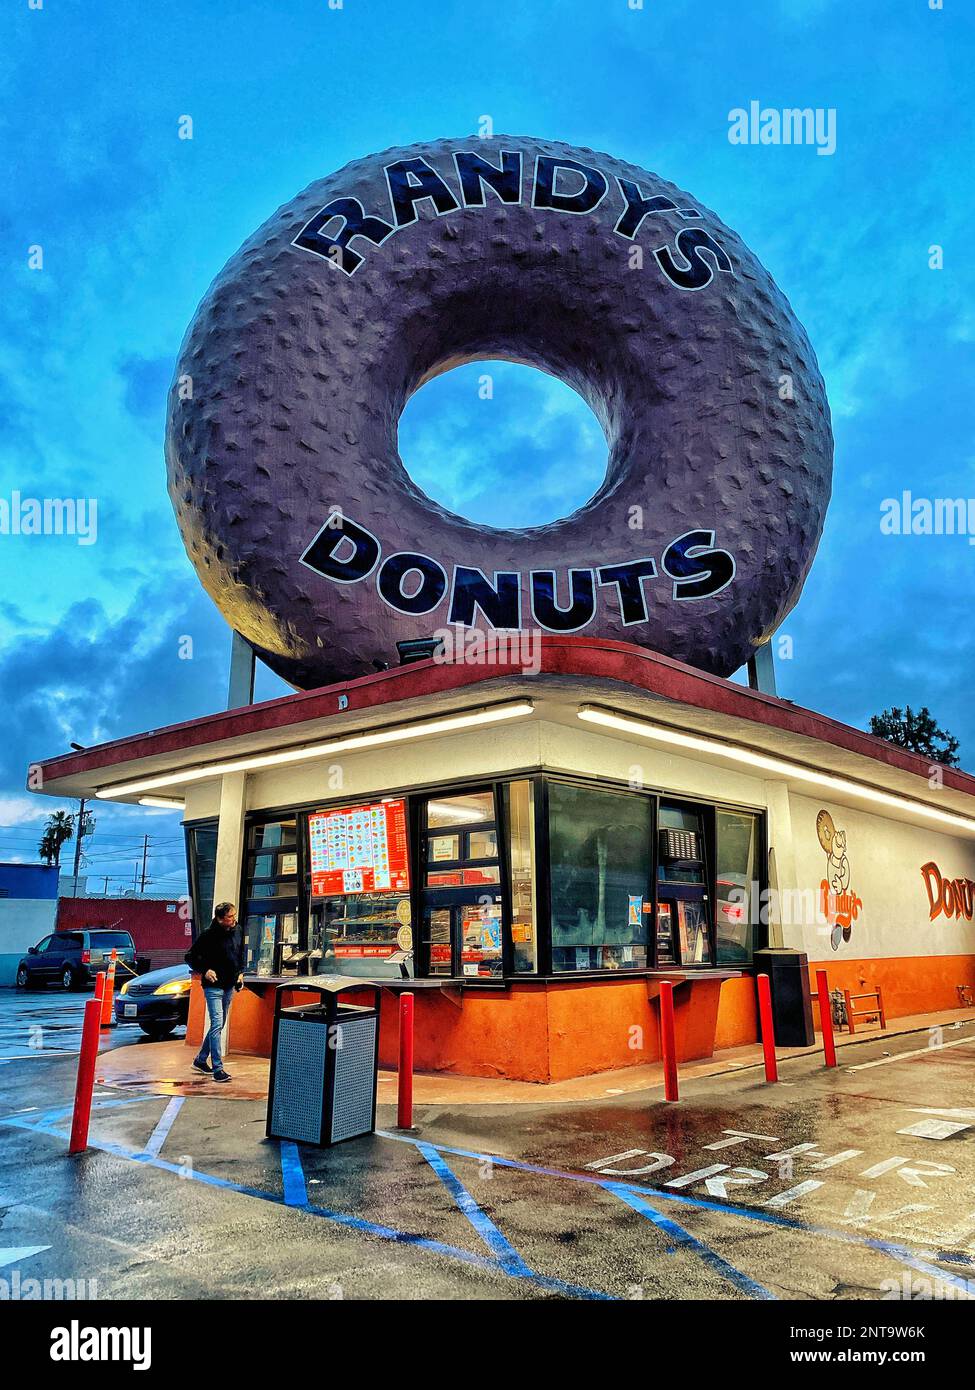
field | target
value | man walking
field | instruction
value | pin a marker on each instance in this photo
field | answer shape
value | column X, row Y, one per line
column 215, row 957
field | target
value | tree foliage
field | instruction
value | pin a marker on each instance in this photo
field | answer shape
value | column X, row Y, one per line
column 58, row 830
column 917, row 732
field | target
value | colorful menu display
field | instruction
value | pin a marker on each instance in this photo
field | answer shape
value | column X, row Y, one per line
column 359, row 849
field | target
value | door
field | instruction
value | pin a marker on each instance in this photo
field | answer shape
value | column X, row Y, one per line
column 46, row 964
column 461, row 930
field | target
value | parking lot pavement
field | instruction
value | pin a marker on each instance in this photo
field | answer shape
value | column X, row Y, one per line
column 853, row 1184
column 39, row 1021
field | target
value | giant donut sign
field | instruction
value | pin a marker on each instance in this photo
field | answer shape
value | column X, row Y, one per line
column 289, row 491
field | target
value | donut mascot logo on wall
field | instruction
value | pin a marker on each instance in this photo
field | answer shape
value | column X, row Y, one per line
column 284, row 471
column 838, row 903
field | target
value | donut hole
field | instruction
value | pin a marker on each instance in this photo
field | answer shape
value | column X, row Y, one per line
column 502, row 444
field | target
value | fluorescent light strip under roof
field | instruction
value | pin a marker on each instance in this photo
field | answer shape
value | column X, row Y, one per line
column 490, row 714
column 593, row 714
column 167, row 803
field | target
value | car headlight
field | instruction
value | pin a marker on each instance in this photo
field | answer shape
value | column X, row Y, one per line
column 125, row 988
column 174, row 987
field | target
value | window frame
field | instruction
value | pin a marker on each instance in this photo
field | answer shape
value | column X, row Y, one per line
column 540, row 780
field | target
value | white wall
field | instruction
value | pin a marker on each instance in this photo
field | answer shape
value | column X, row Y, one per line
column 23, row 922
column 885, row 858
column 885, row 855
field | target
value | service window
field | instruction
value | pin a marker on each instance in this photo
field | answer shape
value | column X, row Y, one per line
column 461, row 889
column 600, row 870
column 360, row 914
column 683, row 907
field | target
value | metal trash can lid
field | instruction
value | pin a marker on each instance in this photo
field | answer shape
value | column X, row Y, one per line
column 328, row 984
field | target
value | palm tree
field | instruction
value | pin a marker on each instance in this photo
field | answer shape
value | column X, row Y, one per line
column 59, row 829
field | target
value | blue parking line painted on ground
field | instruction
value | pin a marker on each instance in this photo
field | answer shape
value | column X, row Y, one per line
column 60, row 1112
column 159, row 1135
column 355, row 1223
column 637, row 1202
column 293, row 1175
column 505, row 1253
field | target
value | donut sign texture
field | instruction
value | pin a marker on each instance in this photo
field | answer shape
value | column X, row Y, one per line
column 284, row 473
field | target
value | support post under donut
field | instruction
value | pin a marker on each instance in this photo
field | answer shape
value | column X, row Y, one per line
column 242, row 663
column 761, row 670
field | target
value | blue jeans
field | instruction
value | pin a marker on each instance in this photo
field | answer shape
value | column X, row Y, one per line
column 218, row 1008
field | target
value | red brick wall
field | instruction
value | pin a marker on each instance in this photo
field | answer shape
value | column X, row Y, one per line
column 156, row 926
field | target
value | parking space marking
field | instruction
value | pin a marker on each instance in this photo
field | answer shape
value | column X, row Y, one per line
column 504, row 1258
column 14, row 1254
column 761, row 1214
column 293, row 1175
column 916, row 1052
column 159, row 1135
column 354, row 1223
column 681, row 1237
column 505, row 1253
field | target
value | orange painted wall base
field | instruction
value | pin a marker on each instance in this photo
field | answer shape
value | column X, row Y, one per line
column 910, row 984
column 552, row 1031
column 541, row 1031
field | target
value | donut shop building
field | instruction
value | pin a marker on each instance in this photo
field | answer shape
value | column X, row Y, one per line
column 532, row 852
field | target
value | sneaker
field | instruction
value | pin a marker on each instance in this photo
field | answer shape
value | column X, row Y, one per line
column 204, row 1067
column 221, row 1076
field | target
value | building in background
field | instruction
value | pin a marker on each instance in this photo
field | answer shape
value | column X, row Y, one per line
column 160, row 927
column 28, row 906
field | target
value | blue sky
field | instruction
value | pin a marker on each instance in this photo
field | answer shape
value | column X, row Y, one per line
column 134, row 223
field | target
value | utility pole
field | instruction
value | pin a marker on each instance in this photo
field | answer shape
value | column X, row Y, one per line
column 145, row 856
column 105, row 889
column 79, row 831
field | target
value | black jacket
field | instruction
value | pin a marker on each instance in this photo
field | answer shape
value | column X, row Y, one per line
column 218, row 950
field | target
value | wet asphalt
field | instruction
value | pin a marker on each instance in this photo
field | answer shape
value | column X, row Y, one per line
column 855, row 1184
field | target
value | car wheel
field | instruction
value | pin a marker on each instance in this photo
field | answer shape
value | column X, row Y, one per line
column 157, row 1031
column 67, row 978
column 23, row 978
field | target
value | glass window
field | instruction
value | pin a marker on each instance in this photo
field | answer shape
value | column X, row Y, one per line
column 362, row 934
column 443, row 848
column 482, row 844
column 274, row 834
column 521, row 857
column 462, row 913
column 737, row 871
column 202, row 847
column 271, row 931
column 683, row 907
column 46, row 945
column 105, row 940
column 466, row 809
column 437, row 933
column 599, row 848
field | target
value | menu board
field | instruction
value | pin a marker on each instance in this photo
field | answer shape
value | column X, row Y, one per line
column 359, row 849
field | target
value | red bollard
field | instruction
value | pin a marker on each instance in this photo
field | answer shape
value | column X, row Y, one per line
column 768, row 1032
column 99, row 991
column 668, row 1046
column 404, row 1074
column 85, row 1083
column 108, row 993
column 825, row 1018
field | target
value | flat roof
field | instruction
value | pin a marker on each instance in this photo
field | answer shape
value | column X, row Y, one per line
column 629, row 678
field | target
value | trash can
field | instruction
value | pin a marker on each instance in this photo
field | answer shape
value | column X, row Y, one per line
column 324, row 1062
column 788, row 977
